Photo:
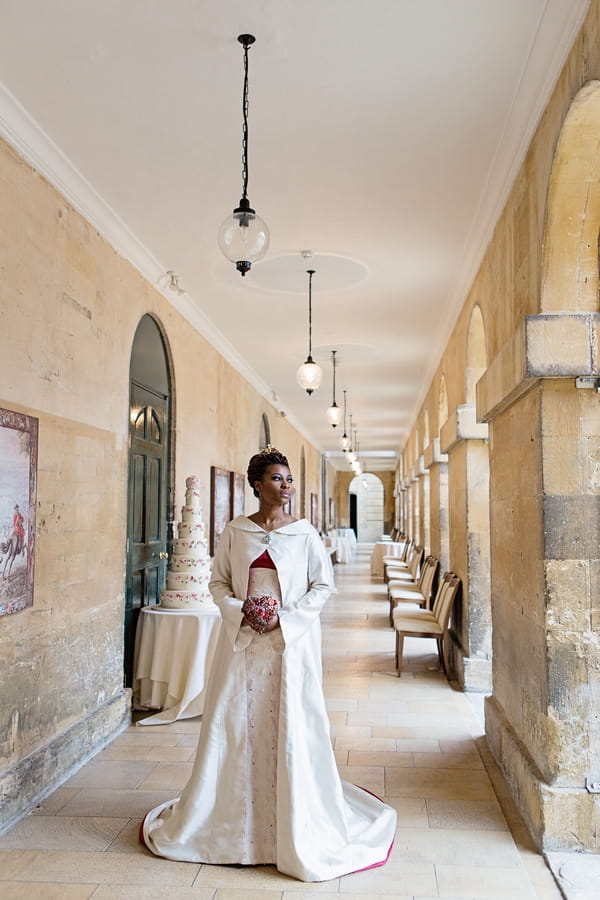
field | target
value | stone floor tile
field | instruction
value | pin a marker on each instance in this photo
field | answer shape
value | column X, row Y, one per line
column 440, row 785
column 348, row 731
column 379, row 758
column 115, row 804
column 453, row 846
column 491, row 883
column 151, row 736
column 466, row 814
column 448, row 760
column 158, row 754
column 237, row 894
column 411, row 812
column 98, row 868
column 111, row 774
column 392, row 880
column 258, row 878
column 148, row 892
column 365, row 744
column 58, row 832
column 23, row 890
column 369, row 777
column 55, row 802
column 167, row 777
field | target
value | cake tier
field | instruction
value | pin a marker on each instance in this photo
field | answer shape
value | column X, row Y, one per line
column 189, row 564
column 187, row 581
column 192, row 498
column 190, row 547
column 185, row 599
column 191, row 513
column 194, row 530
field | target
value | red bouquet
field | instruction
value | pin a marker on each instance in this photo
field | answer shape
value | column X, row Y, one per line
column 259, row 611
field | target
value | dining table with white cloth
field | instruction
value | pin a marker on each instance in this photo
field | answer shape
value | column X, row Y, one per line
column 385, row 548
column 174, row 650
column 340, row 548
column 347, row 533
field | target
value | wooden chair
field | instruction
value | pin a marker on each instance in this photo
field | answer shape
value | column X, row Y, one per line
column 422, row 623
column 420, row 593
column 411, row 570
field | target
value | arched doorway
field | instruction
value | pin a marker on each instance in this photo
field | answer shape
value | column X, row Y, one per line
column 368, row 490
column 148, row 481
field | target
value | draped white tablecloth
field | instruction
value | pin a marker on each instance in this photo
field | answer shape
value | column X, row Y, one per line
column 174, row 650
column 381, row 549
column 347, row 533
column 343, row 547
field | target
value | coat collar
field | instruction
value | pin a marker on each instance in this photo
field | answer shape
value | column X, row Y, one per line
column 243, row 523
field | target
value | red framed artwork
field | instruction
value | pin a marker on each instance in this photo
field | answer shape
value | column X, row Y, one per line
column 18, row 487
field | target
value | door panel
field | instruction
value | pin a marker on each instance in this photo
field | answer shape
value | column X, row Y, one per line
column 147, row 520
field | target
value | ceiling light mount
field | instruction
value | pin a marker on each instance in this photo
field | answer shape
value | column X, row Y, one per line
column 244, row 236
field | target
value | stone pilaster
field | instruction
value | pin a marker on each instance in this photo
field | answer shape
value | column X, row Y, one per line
column 542, row 720
column 437, row 464
column 465, row 441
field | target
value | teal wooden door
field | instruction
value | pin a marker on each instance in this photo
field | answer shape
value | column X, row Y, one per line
column 148, row 487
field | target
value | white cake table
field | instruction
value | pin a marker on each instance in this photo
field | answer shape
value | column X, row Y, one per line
column 174, row 650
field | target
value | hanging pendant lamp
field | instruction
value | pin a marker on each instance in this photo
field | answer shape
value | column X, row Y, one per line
column 244, row 236
column 309, row 374
column 334, row 413
column 344, row 442
column 350, row 455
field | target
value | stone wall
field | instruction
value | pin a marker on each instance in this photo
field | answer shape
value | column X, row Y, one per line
column 69, row 308
column 537, row 298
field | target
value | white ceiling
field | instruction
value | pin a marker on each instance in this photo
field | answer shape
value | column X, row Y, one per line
column 384, row 136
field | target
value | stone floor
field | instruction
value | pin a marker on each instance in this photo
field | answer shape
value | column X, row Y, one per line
column 413, row 740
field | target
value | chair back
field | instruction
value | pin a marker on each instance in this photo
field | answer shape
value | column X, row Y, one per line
column 414, row 564
column 442, row 587
column 447, row 601
column 428, row 573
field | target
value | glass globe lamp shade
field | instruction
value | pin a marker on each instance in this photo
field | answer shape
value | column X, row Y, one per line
column 309, row 375
column 334, row 415
column 344, row 442
column 351, row 457
column 243, row 237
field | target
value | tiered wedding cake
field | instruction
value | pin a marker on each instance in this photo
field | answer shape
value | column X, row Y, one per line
column 189, row 565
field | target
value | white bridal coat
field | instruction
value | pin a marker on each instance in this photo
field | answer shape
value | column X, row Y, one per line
column 325, row 827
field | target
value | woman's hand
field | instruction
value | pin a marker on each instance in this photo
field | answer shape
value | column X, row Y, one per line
column 272, row 624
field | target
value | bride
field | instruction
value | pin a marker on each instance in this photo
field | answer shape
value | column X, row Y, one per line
column 265, row 788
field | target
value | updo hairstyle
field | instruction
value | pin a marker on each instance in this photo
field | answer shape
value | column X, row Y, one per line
column 260, row 462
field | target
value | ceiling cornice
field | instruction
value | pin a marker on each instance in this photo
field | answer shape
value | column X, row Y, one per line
column 20, row 130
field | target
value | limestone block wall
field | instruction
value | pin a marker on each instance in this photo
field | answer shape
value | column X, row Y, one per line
column 537, row 290
column 69, row 308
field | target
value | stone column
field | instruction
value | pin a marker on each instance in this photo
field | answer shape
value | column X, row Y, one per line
column 470, row 644
column 542, row 721
column 437, row 464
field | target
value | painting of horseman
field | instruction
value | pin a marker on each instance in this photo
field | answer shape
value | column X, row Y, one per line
column 18, row 477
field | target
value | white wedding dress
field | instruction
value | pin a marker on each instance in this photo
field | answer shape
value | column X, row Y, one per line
column 265, row 786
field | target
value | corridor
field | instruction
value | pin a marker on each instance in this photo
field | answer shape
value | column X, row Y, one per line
column 413, row 740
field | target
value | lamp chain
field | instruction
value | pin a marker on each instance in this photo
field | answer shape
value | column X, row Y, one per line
column 311, row 272
column 334, row 352
column 245, row 127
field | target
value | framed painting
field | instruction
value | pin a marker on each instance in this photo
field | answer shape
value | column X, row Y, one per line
column 314, row 510
column 220, row 504
column 238, row 497
column 18, row 486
